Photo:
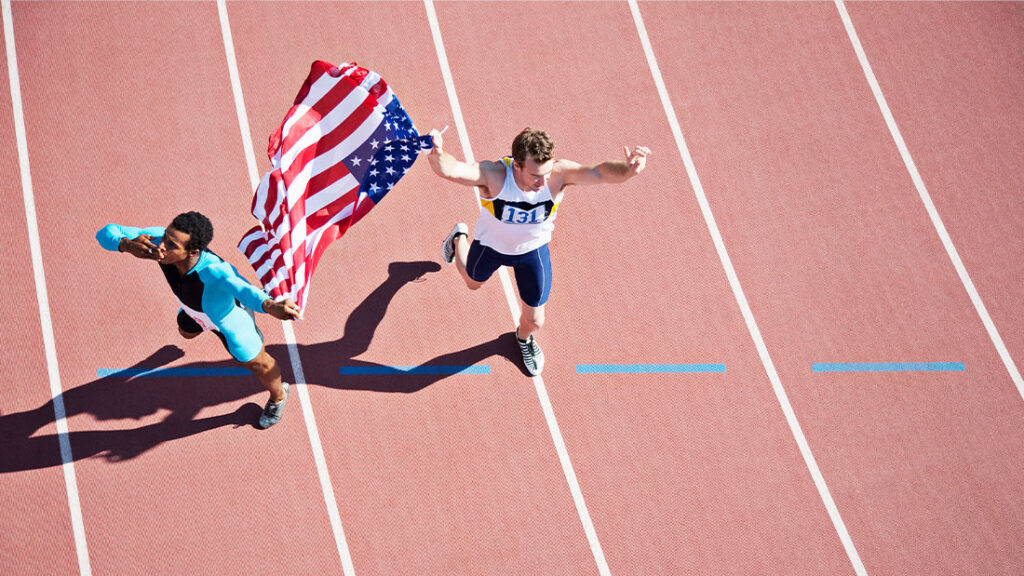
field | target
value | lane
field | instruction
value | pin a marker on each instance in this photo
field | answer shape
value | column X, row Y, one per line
column 130, row 119
column 681, row 472
column 36, row 504
column 433, row 473
column 841, row 264
column 954, row 79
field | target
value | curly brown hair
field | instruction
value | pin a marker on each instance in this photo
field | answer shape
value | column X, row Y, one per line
column 536, row 144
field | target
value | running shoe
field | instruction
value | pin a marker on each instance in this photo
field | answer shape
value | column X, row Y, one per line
column 448, row 246
column 533, row 358
column 272, row 412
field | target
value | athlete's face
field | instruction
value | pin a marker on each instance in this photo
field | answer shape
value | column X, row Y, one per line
column 530, row 175
column 172, row 247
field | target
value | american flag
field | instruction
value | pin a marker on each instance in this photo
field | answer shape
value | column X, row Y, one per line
column 342, row 146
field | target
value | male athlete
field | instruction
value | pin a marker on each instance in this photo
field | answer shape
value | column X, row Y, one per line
column 519, row 196
column 212, row 294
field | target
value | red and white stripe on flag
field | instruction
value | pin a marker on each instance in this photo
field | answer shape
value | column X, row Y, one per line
column 308, row 198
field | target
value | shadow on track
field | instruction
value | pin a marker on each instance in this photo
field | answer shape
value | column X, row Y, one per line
column 120, row 397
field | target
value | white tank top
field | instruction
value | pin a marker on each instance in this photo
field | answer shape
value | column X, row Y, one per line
column 515, row 221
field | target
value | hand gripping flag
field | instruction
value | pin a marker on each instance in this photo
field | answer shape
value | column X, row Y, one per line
column 342, row 146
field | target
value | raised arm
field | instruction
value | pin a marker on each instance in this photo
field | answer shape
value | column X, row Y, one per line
column 611, row 172
column 139, row 242
column 485, row 174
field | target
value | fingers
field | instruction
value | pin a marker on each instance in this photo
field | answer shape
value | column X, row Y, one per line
column 290, row 308
column 146, row 241
column 641, row 151
column 143, row 248
column 637, row 158
column 284, row 310
column 435, row 136
column 149, row 250
column 636, row 152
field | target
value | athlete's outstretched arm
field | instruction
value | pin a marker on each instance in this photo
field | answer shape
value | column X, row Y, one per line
column 227, row 278
column 446, row 166
column 485, row 174
column 611, row 172
column 139, row 242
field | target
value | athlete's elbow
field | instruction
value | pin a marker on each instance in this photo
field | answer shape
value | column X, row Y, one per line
column 109, row 236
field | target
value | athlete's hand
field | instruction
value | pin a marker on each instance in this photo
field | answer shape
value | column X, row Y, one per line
column 283, row 310
column 435, row 136
column 636, row 159
column 141, row 247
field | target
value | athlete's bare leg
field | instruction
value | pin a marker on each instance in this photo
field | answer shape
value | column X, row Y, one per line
column 530, row 320
column 265, row 368
column 461, row 257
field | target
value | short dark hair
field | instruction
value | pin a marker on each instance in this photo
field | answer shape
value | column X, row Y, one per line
column 198, row 228
column 534, row 143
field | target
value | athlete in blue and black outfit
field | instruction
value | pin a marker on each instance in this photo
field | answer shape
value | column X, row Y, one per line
column 212, row 294
column 519, row 198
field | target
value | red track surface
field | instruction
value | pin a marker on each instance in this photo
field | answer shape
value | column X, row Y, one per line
column 35, row 522
column 130, row 118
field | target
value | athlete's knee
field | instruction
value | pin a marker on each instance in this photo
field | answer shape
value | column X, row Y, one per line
column 262, row 364
column 188, row 335
column 532, row 317
column 473, row 284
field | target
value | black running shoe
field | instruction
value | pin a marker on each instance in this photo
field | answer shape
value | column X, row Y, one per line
column 272, row 412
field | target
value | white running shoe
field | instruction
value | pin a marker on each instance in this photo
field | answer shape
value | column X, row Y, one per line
column 533, row 358
column 448, row 246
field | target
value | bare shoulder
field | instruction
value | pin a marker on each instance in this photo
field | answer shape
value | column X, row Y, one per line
column 493, row 173
column 492, row 167
column 566, row 172
column 564, row 165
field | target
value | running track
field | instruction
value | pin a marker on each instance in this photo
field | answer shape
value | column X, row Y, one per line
column 832, row 183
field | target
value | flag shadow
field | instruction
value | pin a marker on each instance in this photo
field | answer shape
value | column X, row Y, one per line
column 117, row 397
column 321, row 362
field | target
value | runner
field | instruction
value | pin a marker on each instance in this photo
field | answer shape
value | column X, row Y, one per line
column 212, row 294
column 519, row 197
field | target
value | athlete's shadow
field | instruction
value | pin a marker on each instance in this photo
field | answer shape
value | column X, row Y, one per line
column 26, row 445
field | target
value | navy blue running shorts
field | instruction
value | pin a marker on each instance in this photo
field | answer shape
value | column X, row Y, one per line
column 532, row 270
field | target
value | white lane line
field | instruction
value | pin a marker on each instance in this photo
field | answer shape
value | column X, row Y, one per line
column 289, row 335
column 741, row 299
column 538, row 382
column 43, row 300
column 929, row 206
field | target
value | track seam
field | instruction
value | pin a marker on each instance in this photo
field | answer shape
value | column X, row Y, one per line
column 741, row 300
column 293, row 352
column 926, row 199
column 538, row 382
column 42, row 299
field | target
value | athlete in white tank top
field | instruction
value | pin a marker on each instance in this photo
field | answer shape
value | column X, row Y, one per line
column 516, row 221
column 517, row 212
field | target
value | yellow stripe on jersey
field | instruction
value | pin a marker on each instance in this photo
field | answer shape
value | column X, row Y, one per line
column 489, row 205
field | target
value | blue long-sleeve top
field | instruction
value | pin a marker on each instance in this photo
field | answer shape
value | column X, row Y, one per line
column 212, row 286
